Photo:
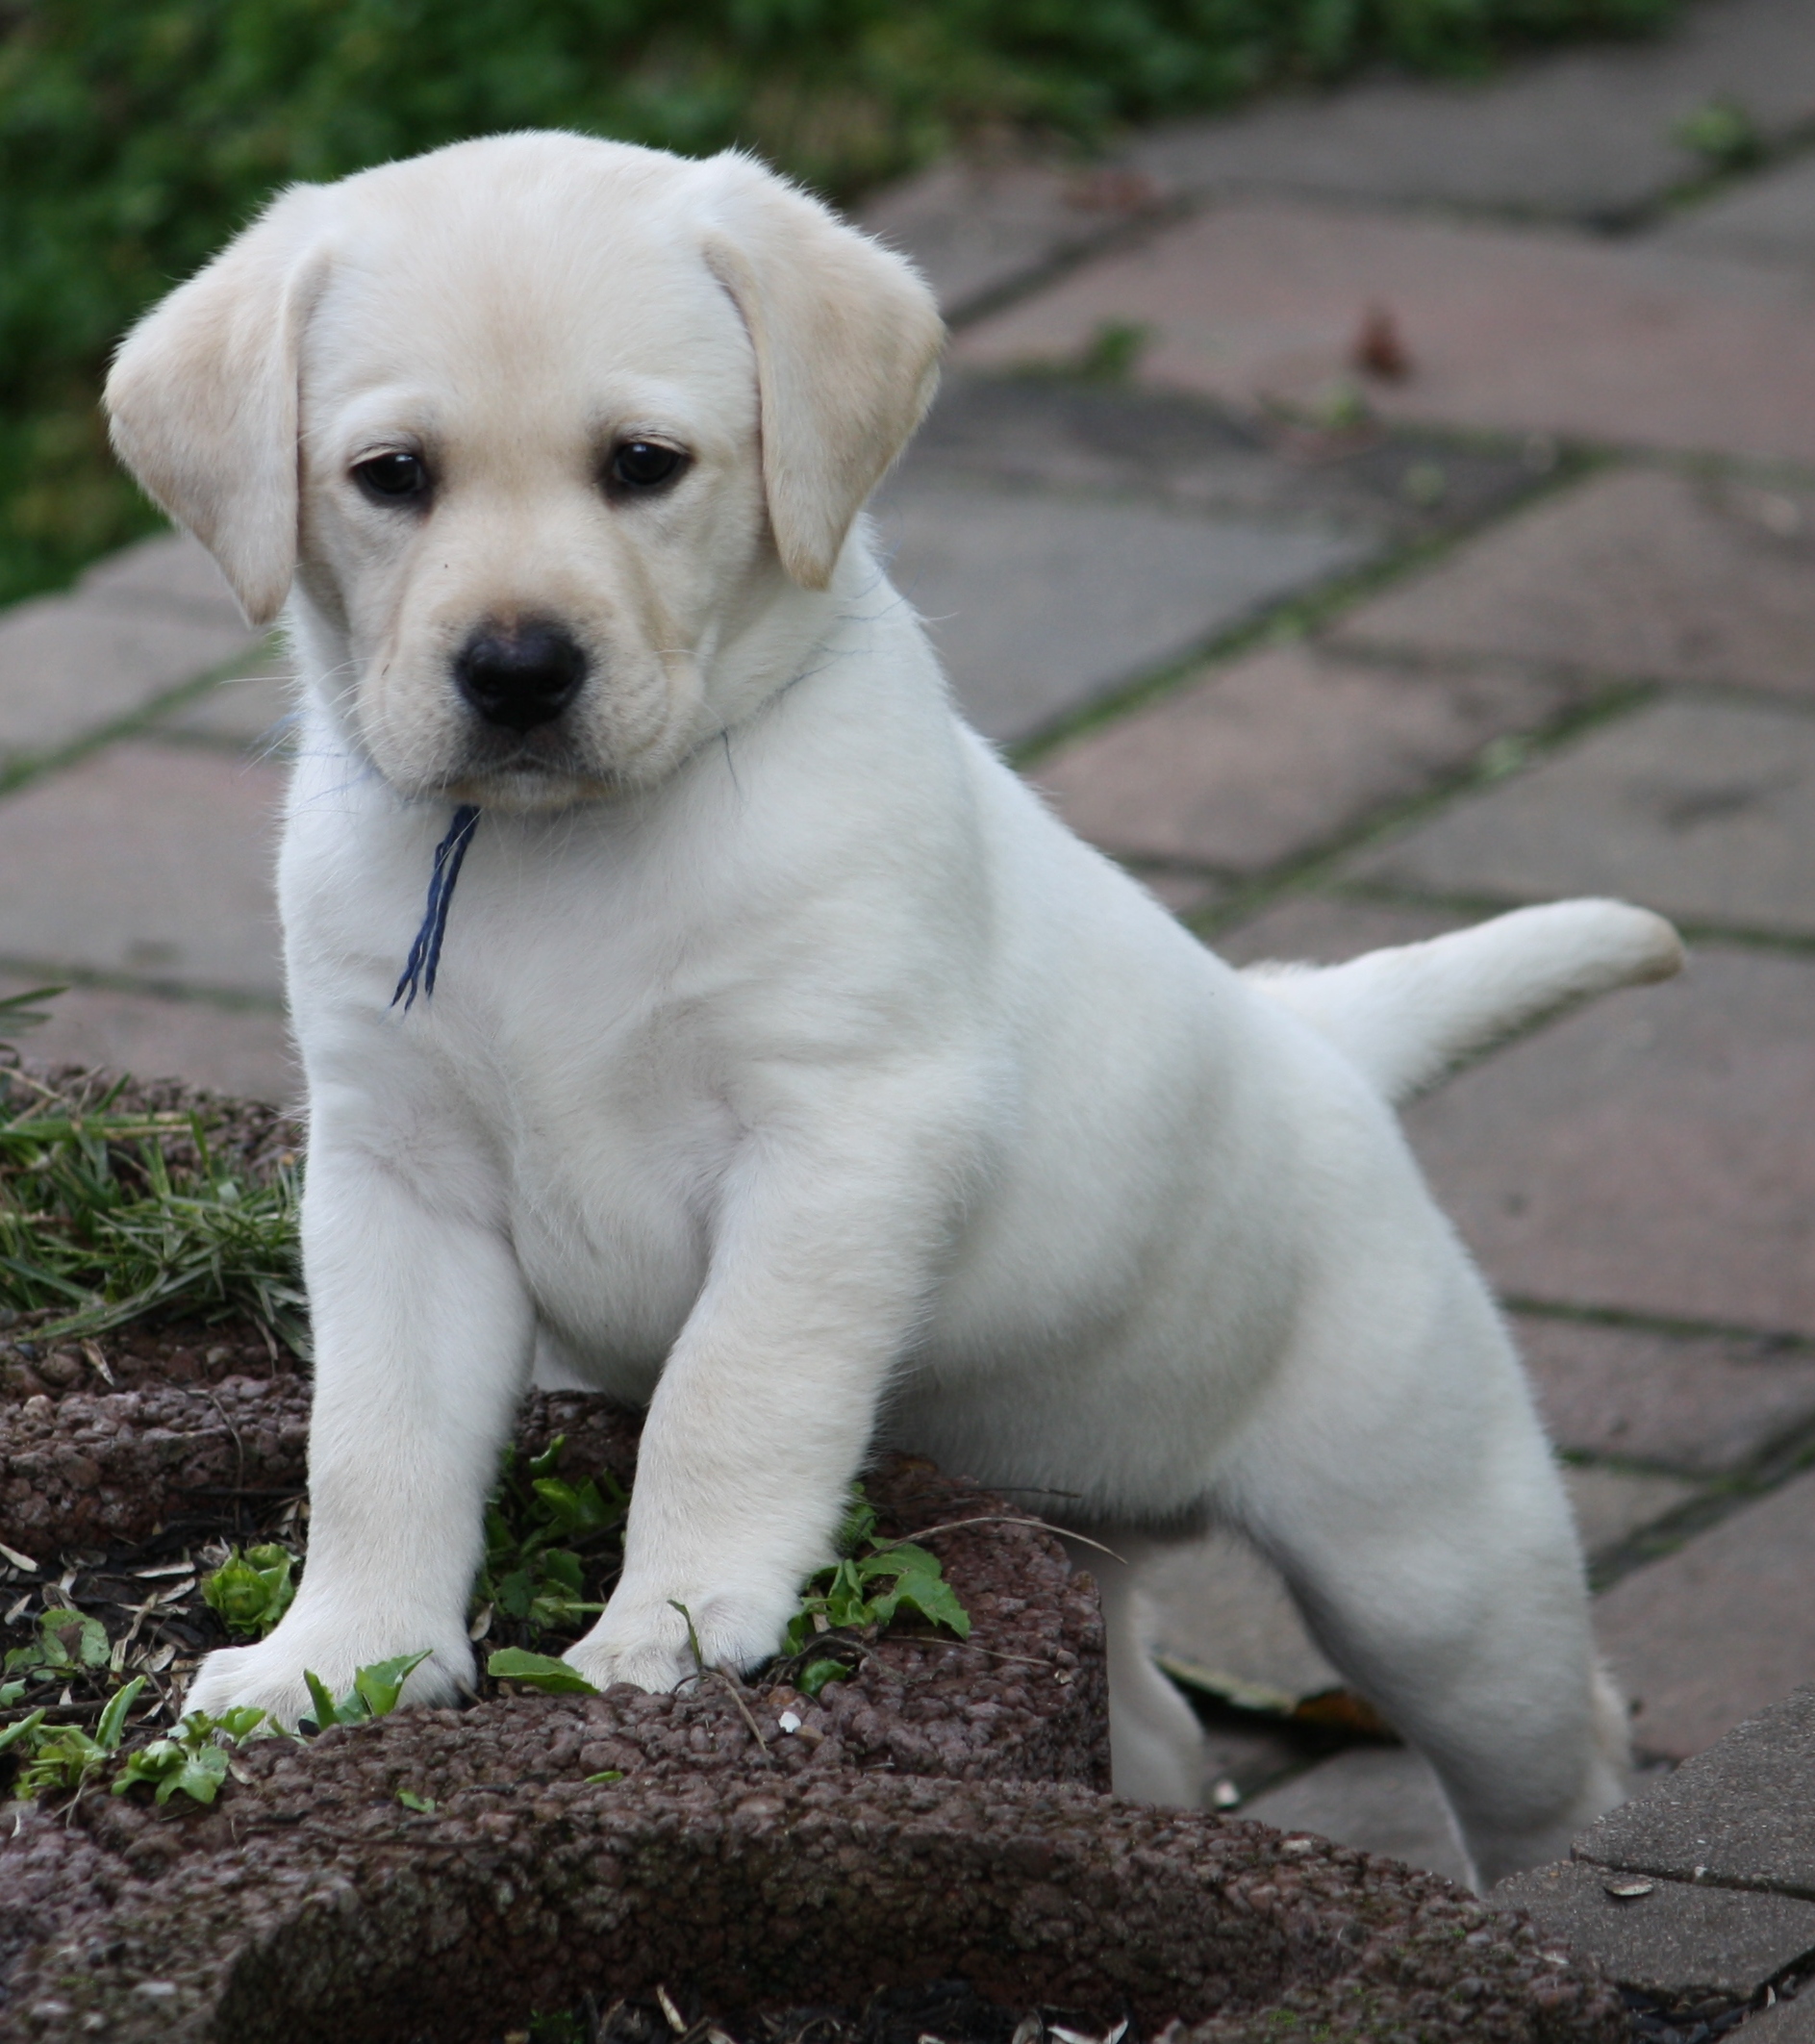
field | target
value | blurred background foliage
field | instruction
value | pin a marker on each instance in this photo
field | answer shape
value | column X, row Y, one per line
column 137, row 134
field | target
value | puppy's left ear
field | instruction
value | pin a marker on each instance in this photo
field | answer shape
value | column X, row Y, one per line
column 847, row 340
column 203, row 398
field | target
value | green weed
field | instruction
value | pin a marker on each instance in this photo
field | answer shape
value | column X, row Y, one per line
column 374, row 1693
column 195, row 1759
column 252, row 1591
column 68, row 1644
column 541, row 1536
column 1723, row 133
column 872, row 1581
column 64, row 1756
column 538, row 1671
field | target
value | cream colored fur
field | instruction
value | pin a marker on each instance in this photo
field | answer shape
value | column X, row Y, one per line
column 791, row 1069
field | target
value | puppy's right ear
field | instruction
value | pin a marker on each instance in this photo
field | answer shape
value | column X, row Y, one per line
column 203, row 398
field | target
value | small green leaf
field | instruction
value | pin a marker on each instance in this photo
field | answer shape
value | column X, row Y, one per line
column 11, row 1693
column 68, row 1639
column 815, row 1676
column 423, row 1805
column 325, row 1714
column 379, row 1686
column 252, row 1591
column 935, row 1600
column 21, row 1729
column 610, row 1774
column 539, row 1671
column 199, row 1777
column 107, row 1733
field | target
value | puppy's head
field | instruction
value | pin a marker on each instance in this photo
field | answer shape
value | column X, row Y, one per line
column 535, row 427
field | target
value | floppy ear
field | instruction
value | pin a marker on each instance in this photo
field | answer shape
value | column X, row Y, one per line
column 203, row 398
column 846, row 340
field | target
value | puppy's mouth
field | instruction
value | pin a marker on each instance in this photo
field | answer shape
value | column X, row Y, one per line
column 546, row 768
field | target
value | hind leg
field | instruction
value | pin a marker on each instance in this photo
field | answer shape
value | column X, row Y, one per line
column 1156, row 1745
column 1414, row 1508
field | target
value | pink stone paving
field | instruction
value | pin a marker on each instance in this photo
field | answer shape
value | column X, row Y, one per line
column 1650, row 1153
column 244, row 1051
column 1278, row 753
column 1260, row 301
column 1643, row 573
column 1717, row 1631
column 153, row 862
column 1705, row 1404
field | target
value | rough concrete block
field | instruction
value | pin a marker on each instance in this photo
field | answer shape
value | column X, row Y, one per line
column 172, row 572
column 1638, row 573
column 1702, row 1405
column 1282, row 752
column 1680, row 1941
column 1261, row 302
column 251, row 712
column 1731, row 1815
column 1038, row 604
column 1650, row 1153
column 1077, row 434
column 68, row 669
column 1719, row 1629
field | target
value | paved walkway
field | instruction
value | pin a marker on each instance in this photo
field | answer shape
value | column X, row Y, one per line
column 1360, row 515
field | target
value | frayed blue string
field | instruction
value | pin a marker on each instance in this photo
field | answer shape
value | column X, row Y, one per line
column 426, row 953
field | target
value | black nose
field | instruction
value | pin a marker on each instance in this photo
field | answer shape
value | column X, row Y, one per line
column 520, row 675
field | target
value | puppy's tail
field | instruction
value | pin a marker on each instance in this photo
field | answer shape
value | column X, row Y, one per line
column 1405, row 1015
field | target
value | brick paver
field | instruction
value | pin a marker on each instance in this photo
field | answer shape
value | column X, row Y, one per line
column 1039, row 602
column 1702, row 1405
column 1720, row 1628
column 1769, row 218
column 1702, row 810
column 1638, row 574
column 1649, row 1153
column 233, row 1049
column 1261, row 302
column 1585, row 133
column 1279, row 753
column 151, row 862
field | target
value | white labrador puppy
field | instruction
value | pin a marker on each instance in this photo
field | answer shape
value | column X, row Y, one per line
column 789, row 1069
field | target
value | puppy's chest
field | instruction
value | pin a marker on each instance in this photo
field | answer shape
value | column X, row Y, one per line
column 611, row 1192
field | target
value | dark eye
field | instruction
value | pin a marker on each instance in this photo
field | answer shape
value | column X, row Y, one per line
column 392, row 478
column 645, row 464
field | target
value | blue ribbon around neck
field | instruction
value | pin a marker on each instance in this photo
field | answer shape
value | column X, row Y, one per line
column 426, row 953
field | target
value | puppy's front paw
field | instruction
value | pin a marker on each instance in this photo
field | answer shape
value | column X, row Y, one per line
column 648, row 1645
column 270, row 1676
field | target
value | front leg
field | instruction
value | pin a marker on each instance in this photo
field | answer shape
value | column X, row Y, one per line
column 423, row 1331
column 821, row 1267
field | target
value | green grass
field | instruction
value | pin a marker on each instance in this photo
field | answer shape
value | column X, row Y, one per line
column 113, row 1210
column 134, row 139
